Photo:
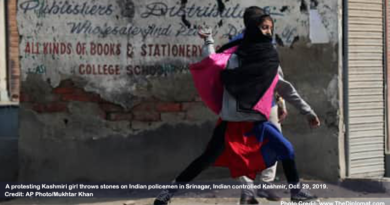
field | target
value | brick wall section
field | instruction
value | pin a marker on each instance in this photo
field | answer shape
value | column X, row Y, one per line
column 148, row 111
column 13, row 46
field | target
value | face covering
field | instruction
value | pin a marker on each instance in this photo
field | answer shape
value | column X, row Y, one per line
column 269, row 36
column 259, row 63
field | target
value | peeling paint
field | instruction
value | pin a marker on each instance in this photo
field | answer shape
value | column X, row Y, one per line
column 313, row 4
column 304, row 7
column 127, row 8
column 183, row 17
column 295, row 40
column 331, row 92
column 278, row 40
column 284, row 8
column 185, row 21
column 221, row 6
column 220, row 24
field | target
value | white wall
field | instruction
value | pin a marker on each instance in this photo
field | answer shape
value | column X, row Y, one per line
column 152, row 23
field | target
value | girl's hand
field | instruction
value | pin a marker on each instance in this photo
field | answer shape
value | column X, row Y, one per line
column 204, row 32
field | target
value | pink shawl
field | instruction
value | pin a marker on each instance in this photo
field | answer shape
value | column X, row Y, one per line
column 206, row 76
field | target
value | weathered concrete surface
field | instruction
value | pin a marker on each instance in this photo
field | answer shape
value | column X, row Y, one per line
column 313, row 70
column 155, row 123
column 76, row 155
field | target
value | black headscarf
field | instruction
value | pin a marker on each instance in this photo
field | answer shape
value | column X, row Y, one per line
column 259, row 62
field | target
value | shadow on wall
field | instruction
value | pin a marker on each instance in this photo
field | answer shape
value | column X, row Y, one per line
column 9, row 143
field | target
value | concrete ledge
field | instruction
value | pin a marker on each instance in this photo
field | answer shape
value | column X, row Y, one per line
column 8, row 103
column 374, row 185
